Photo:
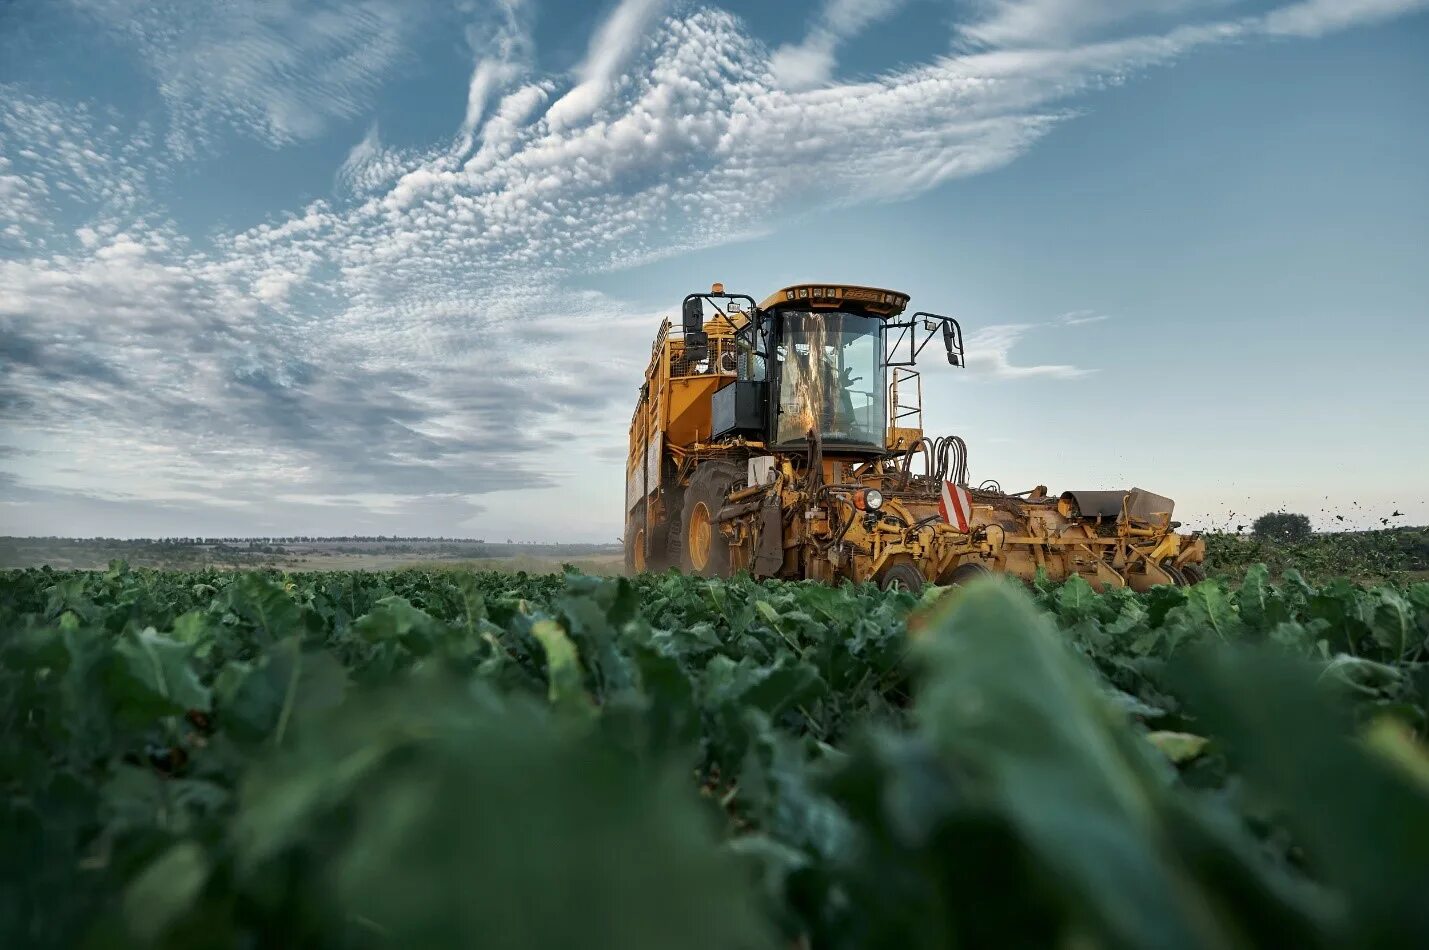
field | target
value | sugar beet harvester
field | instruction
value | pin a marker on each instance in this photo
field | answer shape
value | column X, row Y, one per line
column 785, row 439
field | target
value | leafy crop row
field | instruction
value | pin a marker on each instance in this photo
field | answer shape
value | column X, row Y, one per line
column 1397, row 554
column 445, row 759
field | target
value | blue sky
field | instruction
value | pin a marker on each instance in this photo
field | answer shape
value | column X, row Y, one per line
column 394, row 267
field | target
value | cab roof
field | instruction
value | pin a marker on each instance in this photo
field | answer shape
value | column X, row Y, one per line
column 836, row 296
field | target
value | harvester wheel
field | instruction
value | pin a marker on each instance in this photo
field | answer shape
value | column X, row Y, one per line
column 1178, row 578
column 1193, row 573
column 962, row 574
column 635, row 544
column 705, row 551
column 674, row 539
column 901, row 575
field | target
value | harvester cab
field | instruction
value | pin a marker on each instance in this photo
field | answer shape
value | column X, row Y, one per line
column 785, row 438
column 813, row 363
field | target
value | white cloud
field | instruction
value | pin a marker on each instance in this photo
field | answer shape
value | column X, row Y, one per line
column 272, row 287
column 1047, row 24
column 1077, row 318
column 1317, row 17
column 280, row 70
column 989, row 352
column 611, row 47
column 58, row 159
column 1040, row 23
column 502, row 46
column 368, row 165
column 811, row 62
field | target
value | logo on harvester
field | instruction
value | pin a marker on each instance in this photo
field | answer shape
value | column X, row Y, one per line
column 956, row 506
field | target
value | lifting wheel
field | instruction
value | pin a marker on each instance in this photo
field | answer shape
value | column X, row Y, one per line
column 901, row 575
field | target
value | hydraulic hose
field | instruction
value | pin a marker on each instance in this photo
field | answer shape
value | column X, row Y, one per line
column 924, row 445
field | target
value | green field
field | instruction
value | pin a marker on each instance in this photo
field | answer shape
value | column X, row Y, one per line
column 304, row 554
column 442, row 758
column 1393, row 554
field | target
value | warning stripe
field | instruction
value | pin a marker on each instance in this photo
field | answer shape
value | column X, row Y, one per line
column 955, row 506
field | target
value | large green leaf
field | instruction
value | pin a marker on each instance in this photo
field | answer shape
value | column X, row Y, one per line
column 263, row 699
column 264, row 606
column 165, row 890
column 563, row 666
column 465, row 820
column 154, row 676
column 1362, row 820
column 1004, row 699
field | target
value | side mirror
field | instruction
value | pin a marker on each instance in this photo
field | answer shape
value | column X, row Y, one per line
column 953, row 341
column 694, row 315
column 697, row 343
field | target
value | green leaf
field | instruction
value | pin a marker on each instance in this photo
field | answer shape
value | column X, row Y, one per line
column 1390, row 739
column 264, row 605
column 155, row 676
column 165, row 890
column 1392, row 623
column 1363, row 822
column 469, row 820
column 394, row 618
column 1076, row 600
column 1003, row 697
column 563, row 666
column 1209, row 611
column 1260, row 605
column 72, row 595
column 259, row 700
column 1179, row 747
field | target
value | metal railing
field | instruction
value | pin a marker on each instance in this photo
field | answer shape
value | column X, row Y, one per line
column 720, row 359
column 905, row 408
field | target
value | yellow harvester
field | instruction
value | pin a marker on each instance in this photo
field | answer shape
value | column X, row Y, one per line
column 785, row 439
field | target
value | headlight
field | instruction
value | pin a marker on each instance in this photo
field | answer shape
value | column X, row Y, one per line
column 868, row 499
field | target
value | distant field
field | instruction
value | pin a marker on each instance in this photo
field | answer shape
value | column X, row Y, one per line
column 1396, row 554
column 309, row 554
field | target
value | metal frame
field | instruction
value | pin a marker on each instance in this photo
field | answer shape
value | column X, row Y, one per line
column 696, row 343
column 711, row 298
column 910, row 410
column 908, row 330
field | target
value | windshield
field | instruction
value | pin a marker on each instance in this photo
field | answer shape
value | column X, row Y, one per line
column 831, row 376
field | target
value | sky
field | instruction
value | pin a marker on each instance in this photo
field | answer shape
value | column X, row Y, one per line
column 394, row 267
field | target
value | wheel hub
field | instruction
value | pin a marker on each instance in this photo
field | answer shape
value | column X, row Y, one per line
column 701, row 535
column 638, row 554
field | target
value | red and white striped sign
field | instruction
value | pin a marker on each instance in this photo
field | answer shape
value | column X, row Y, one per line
column 956, row 506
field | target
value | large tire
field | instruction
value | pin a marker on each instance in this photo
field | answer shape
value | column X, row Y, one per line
column 635, row 543
column 901, row 575
column 671, row 538
column 1193, row 573
column 963, row 574
column 703, row 550
column 1178, row 578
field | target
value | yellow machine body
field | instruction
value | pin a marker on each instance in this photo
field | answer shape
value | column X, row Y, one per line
column 755, row 447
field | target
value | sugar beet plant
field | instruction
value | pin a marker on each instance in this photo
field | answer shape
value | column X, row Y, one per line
column 444, row 759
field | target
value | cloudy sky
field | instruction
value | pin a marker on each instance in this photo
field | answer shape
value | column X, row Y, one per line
column 382, row 266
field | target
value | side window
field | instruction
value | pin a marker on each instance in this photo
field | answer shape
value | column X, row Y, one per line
column 753, row 344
